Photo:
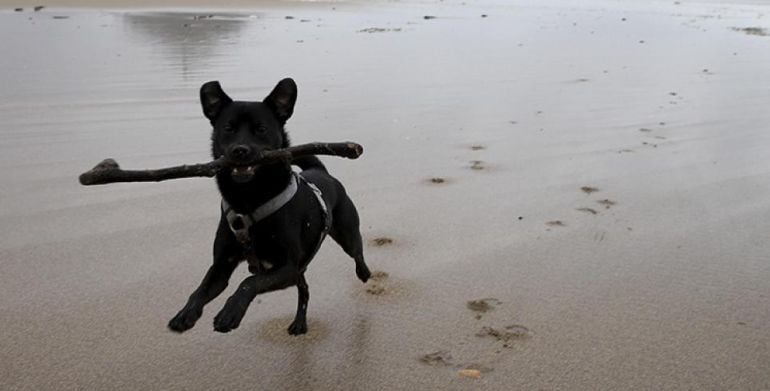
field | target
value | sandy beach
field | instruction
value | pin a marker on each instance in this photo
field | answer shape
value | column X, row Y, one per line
column 562, row 195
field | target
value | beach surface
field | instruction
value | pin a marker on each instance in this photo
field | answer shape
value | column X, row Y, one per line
column 560, row 195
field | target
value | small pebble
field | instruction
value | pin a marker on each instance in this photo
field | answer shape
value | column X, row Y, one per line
column 470, row 373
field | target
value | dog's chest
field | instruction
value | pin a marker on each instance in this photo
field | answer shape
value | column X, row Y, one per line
column 260, row 266
column 264, row 255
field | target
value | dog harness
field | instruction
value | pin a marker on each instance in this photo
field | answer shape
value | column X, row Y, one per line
column 241, row 223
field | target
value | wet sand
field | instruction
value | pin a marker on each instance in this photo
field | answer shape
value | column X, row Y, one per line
column 556, row 195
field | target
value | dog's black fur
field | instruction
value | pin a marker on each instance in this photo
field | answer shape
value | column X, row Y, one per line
column 284, row 241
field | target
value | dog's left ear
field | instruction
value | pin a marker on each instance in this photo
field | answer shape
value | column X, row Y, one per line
column 281, row 100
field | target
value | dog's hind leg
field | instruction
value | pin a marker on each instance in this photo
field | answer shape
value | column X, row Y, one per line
column 232, row 313
column 345, row 231
column 299, row 326
column 212, row 285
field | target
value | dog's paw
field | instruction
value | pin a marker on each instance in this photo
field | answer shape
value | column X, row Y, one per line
column 229, row 318
column 363, row 273
column 298, row 327
column 184, row 320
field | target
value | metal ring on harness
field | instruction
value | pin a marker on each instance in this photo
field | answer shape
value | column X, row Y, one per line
column 241, row 223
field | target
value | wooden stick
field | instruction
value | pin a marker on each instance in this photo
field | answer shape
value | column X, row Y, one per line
column 108, row 171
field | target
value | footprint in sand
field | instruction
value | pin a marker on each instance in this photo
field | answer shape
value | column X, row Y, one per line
column 588, row 210
column 606, row 203
column 482, row 306
column 506, row 335
column 648, row 131
column 588, row 190
column 438, row 358
column 509, row 333
column 476, row 362
column 437, row 180
column 443, row 358
column 381, row 241
column 759, row 31
column 477, row 165
column 555, row 223
column 376, row 284
column 599, row 236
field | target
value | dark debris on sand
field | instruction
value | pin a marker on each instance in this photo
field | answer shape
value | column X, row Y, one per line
column 759, row 31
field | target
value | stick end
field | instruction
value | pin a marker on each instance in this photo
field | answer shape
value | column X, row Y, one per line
column 355, row 149
column 91, row 177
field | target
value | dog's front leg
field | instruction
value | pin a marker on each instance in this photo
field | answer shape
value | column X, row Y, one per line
column 215, row 281
column 212, row 285
column 232, row 313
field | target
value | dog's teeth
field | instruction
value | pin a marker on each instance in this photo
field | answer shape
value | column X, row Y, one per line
column 243, row 173
column 243, row 170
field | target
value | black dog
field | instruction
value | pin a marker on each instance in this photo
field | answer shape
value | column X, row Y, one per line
column 271, row 217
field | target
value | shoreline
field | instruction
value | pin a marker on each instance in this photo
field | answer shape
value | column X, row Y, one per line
column 247, row 6
column 239, row 6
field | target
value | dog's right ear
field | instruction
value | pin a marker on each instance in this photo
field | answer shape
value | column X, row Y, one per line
column 213, row 100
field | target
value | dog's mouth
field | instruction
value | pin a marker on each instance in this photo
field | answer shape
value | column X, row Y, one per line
column 242, row 174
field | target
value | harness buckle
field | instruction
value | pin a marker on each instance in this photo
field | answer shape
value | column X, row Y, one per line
column 240, row 225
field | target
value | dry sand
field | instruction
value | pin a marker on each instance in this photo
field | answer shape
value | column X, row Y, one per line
column 479, row 132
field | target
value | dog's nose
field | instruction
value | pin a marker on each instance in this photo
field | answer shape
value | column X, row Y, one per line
column 240, row 151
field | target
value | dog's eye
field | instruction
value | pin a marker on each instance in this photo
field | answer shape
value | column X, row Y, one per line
column 261, row 129
column 228, row 128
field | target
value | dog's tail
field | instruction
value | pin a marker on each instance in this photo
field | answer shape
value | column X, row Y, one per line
column 308, row 162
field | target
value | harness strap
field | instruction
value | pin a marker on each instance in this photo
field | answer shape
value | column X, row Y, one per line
column 240, row 223
column 324, row 210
